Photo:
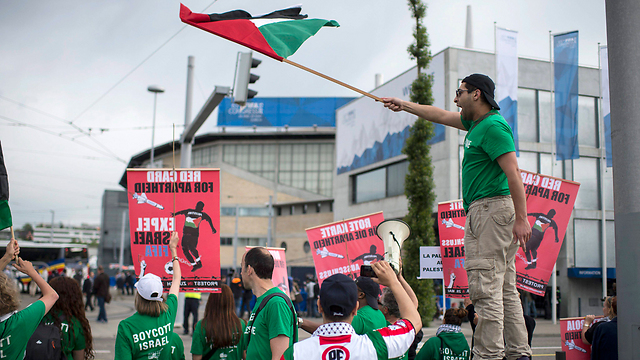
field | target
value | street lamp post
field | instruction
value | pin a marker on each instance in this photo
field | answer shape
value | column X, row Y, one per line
column 155, row 90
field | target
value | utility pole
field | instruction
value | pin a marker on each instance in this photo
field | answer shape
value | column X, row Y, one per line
column 185, row 146
column 624, row 60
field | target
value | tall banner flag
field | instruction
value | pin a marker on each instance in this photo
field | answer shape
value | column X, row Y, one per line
column 5, row 212
column 343, row 246
column 182, row 200
column 280, row 277
column 451, row 222
column 565, row 68
column 507, row 78
column 549, row 205
column 571, row 338
column 606, row 101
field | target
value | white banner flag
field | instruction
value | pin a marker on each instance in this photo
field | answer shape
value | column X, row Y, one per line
column 507, row 78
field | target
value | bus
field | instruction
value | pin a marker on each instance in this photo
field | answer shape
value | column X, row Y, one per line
column 49, row 257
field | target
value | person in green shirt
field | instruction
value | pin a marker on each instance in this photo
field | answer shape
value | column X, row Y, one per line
column 221, row 331
column 369, row 317
column 177, row 347
column 147, row 333
column 16, row 327
column 69, row 316
column 270, row 333
column 449, row 342
column 496, row 207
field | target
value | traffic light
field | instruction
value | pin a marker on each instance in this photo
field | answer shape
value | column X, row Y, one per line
column 244, row 77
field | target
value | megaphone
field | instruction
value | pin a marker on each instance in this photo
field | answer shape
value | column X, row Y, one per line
column 393, row 233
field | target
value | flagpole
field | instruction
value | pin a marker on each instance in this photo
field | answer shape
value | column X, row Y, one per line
column 12, row 238
column 332, row 79
column 554, row 281
column 603, row 166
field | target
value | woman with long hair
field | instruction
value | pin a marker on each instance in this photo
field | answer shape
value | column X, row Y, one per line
column 589, row 321
column 147, row 334
column 449, row 339
column 16, row 327
column 218, row 334
column 68, row 315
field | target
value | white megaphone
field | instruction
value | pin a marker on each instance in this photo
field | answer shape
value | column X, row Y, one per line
column 393, row 233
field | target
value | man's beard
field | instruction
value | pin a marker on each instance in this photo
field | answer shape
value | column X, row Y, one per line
column 466, row 116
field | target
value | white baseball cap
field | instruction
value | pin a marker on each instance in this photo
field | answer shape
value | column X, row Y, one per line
column 150, row 287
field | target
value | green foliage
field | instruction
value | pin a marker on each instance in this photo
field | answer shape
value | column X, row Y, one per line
column 419, row 180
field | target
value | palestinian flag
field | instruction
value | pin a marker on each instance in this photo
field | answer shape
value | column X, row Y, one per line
column 5, row 212
column 278, row 34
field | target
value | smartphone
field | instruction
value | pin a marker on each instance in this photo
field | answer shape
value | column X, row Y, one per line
column 367, row 270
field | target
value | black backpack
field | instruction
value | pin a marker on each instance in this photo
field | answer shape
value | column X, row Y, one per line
column 45, row 343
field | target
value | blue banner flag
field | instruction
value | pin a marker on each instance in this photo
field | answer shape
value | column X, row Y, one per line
column 507, row 79
column 565, row 54
column 277, row 111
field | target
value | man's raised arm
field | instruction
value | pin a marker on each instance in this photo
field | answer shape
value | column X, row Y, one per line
column 427, row 112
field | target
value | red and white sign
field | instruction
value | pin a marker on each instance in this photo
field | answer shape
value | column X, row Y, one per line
column 451, row 222
column 194, row 196
column 571, row 338
column 549, row 205
column 342, row 247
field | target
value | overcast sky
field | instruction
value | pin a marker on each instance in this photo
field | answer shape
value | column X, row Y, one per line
column 60, row 58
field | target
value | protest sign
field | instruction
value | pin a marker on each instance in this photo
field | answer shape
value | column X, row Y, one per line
column 194, row 196
column 430, row 262
column 571, row 338
column 344, row 246
column 549, row 205
column 451, row 222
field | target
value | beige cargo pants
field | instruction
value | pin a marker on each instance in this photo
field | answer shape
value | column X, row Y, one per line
column 490, row 265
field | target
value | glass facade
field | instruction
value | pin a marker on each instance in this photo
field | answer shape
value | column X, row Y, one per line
column 380, row 183
column 303, row 166
column 203, row 156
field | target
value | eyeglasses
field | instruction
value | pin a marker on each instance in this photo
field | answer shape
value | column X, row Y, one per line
column 380, row 304
column 460, row 91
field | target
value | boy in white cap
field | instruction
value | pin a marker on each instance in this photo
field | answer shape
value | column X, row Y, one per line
column 147, row 334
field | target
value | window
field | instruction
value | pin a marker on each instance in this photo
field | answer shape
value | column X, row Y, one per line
column 585, row 171
column 546, row 163
column 544, row 111
column 370, row 185
column 306, row 247
column 528, row 161
column 252, row 242
column 244, row 211
column 203, row 156
column 587, row 236
column 227, row 211
column 527, row 115
column 226, row 241
column 380, row 183
column 587, row 121
column 318, row 207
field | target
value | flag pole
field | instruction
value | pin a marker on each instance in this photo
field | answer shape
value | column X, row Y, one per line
column 17, row 259
column 332, row 79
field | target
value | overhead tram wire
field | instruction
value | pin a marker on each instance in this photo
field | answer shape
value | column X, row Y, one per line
column 81, row 130
column 62, row 137
column 135, row 68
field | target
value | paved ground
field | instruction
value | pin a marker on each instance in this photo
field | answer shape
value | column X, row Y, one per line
column 546, row 337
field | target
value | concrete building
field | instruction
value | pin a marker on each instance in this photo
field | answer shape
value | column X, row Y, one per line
column 363, row 187
column 85, row 234
column 114, row 207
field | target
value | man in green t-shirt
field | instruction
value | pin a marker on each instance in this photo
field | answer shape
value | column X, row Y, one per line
column 494, row 199
column 269, row 333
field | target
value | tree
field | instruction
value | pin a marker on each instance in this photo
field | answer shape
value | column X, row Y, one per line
column 418, row 186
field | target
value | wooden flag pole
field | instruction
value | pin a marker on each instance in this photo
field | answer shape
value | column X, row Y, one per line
column 17, row 259
column 332, row 79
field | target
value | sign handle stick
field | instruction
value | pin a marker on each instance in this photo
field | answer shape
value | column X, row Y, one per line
column 347, row 253
column 17, row 259
column 332, row 79
column 173, row 150
column 444, row 297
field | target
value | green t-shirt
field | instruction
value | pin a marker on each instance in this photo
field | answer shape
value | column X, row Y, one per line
column 145, row 337
column 200, row 345
column 72, row 334
column 274, row 319
column 482, row 176
column 454, row 347
column 368, row 319
column 177, row 347
column 17, row 329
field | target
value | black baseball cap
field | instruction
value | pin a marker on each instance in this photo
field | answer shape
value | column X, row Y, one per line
column 338, row 296
column 370, row 289
column 486, row 85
